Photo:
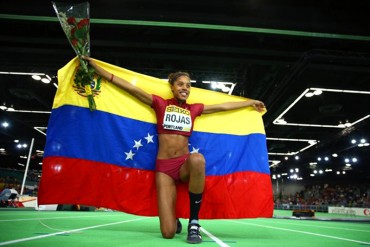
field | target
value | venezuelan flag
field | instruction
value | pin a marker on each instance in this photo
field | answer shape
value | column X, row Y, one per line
column 106, row 158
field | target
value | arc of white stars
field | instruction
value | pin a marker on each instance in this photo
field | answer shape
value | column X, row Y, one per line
column 138, row 144
column 149, row 138
column 130, row 155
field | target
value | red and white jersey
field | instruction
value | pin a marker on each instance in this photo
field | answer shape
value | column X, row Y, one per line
column 173, row 118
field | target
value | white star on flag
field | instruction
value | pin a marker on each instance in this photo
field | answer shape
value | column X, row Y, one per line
column 137, row 144
column 130, row 155
column 195, row 150
column 149, row 138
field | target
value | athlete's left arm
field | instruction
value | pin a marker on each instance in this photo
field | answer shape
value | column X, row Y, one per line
column 227, row 106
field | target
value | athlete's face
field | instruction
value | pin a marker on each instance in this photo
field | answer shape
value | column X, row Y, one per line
column 181, row 88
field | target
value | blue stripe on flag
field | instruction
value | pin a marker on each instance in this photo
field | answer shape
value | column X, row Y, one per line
column 75, row 132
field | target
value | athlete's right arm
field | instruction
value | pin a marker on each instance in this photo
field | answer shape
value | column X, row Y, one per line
column 121, row 83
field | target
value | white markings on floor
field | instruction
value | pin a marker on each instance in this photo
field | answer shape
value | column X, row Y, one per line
column 211, row 236
column 66, row 232
column 303, row 232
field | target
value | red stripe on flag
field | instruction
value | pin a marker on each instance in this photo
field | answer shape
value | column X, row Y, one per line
column 77, row 181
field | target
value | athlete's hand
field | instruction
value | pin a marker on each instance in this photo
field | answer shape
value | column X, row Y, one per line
column 258, row 105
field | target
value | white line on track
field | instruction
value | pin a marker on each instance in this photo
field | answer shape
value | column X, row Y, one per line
column 319, row 226
column 61, row 217
column 66, row 232
column 308, row 233
column 217, row 240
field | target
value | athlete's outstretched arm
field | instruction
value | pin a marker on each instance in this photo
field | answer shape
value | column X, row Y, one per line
column 256, row 104
column 121, row 83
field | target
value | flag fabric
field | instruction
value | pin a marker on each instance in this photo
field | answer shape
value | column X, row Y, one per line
column 106, row 158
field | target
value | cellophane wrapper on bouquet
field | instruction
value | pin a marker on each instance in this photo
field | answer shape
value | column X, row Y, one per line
column 75, row 22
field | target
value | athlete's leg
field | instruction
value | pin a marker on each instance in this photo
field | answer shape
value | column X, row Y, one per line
column 193, row 171
column 166, row 196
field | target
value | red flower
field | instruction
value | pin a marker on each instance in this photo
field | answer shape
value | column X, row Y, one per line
column 71, row 20
column 74, row 42
column 82, row 23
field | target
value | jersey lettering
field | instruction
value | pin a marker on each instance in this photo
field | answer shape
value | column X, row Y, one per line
column 177, row 118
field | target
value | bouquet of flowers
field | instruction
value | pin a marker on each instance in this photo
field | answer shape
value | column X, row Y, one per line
column 75, row 22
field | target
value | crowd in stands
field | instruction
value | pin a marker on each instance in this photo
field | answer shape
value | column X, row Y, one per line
column 13, row 180
column 340, row 195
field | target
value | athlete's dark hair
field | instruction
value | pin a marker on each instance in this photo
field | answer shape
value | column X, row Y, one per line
column 173, row 76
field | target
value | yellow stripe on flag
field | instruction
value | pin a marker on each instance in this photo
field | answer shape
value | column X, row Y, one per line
column 116, row 101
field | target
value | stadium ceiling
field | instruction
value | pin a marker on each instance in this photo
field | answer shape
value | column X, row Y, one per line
column 278, row 52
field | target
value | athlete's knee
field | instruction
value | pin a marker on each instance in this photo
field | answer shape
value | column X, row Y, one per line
column 166, row 233
column 197, row 163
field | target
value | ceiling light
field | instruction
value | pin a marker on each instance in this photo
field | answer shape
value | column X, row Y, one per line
column 3, row 107
column 225, row 89
column 317, row 92
column 354, row 160
column 319, row 159
column 45, row 80
column 346, row 160
column 281, row 121
column 348, row 164
column 309, row 94
column 343, row 172
column 296, row 157
column 20, row 73
column 326, row 158
column 334, row 155
column 10, row 108
column 36, row 77
column 16, row 141
column 311, row 142
column 353, row 141
column 5, row 124
column 363, row 143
